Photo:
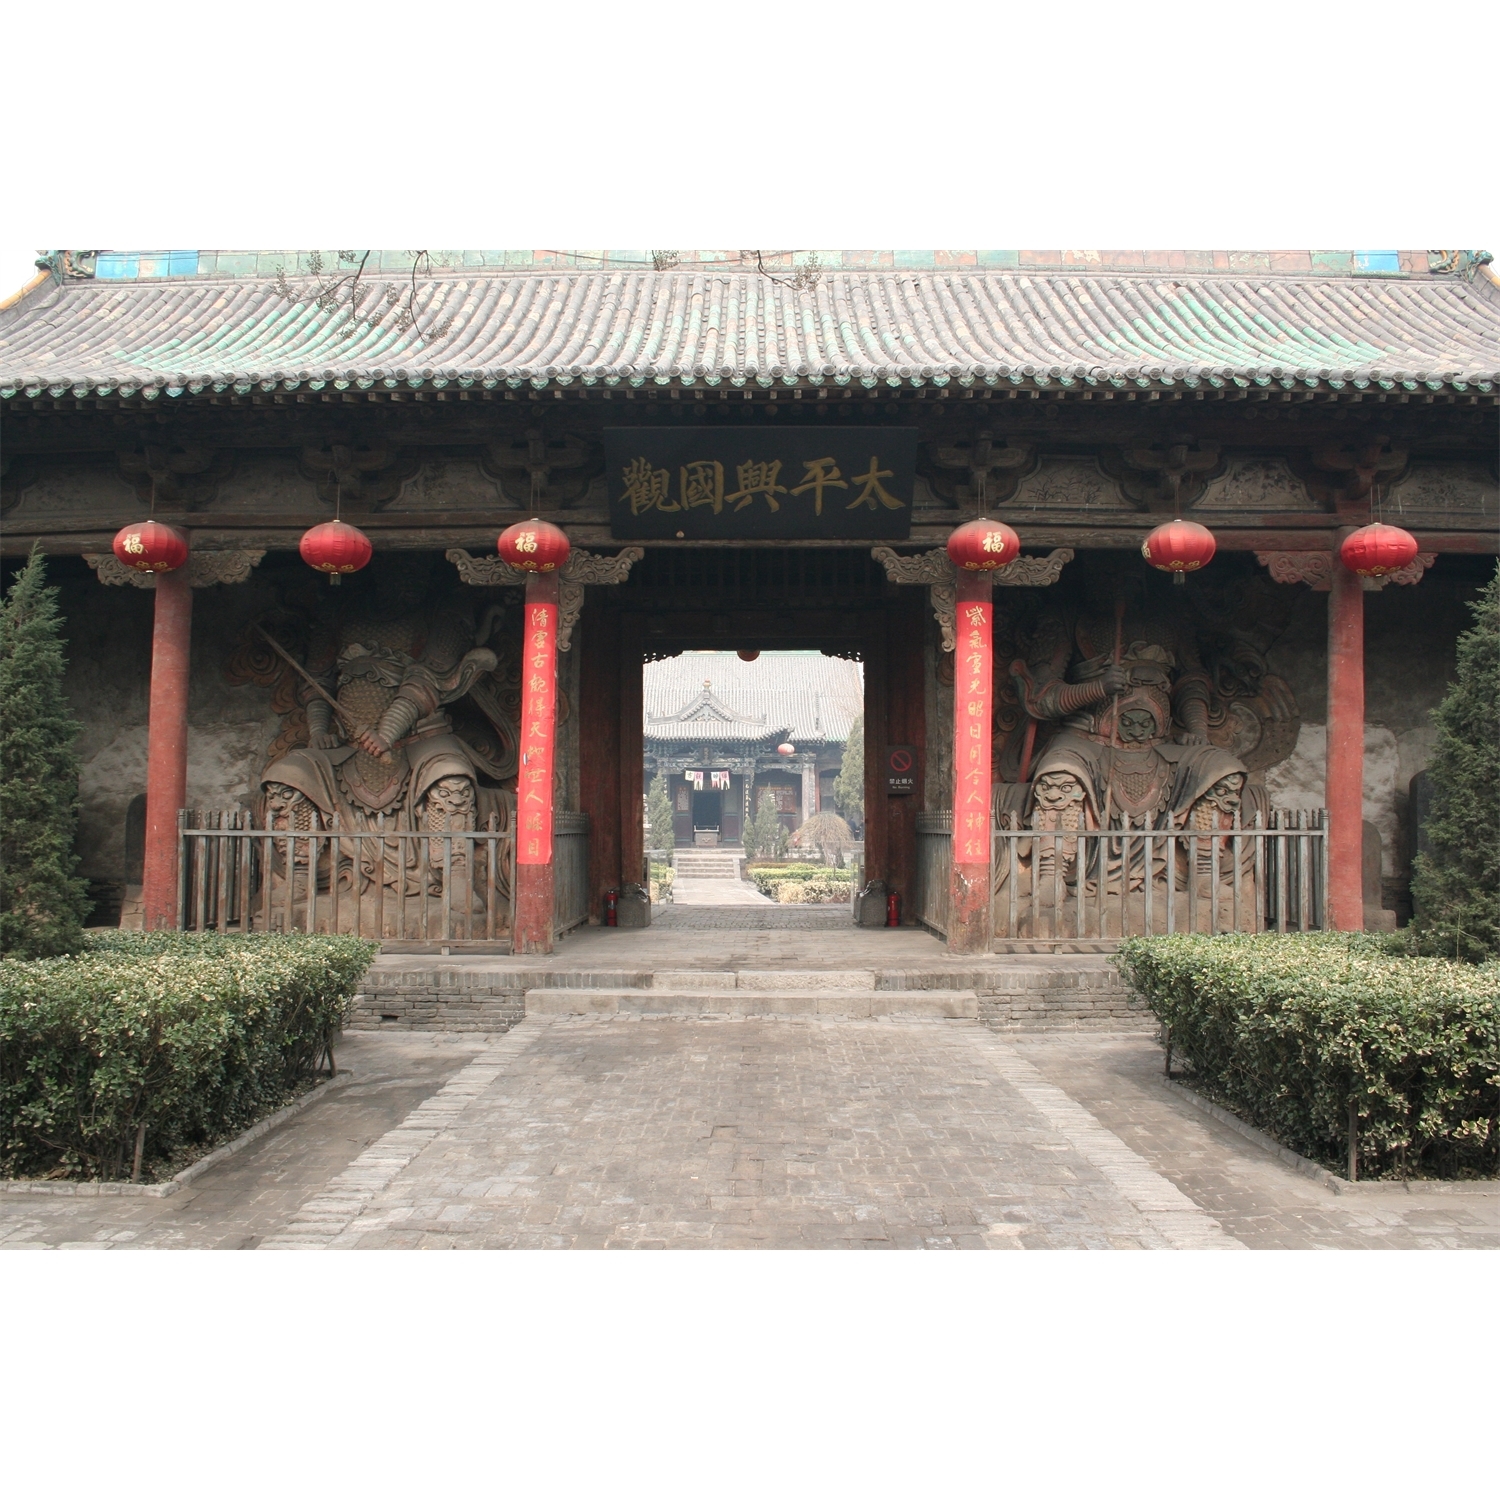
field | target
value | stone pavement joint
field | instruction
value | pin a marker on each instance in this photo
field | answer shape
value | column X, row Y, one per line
column 1182, row 1223
column 324, row 1217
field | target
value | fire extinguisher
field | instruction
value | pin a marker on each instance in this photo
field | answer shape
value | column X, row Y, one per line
column 893, row 910
column 611, row 908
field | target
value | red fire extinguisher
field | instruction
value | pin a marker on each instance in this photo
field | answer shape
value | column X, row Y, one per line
column 893, row 910
column 611, row 908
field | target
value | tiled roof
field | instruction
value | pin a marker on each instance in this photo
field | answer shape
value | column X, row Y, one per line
column 538, row 326
column 802, row 693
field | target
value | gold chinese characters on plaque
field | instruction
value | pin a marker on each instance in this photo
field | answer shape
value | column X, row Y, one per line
column 712, row 483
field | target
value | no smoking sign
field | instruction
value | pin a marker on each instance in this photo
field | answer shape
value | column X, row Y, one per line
column 900, row 770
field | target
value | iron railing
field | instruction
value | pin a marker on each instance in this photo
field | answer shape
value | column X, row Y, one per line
column 382, row 883
column 1057, row 885
column 934, row 870
column 570, row 871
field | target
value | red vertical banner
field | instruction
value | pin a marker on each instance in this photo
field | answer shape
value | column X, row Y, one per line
column 973, row 693
column 534, row 896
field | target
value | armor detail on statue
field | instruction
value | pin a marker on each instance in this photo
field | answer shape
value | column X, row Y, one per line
column 1144, row 714
column 423, row 740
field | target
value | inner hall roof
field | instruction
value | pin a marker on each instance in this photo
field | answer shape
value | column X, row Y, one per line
column 805, row 694
column 190, row 322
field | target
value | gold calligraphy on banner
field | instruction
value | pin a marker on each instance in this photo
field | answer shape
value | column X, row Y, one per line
column 703, row 483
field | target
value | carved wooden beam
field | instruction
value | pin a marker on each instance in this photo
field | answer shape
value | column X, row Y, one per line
column 1411, row 573
column 582, row 568
column 203, row 569
column 1315, row 569
column 936, row 570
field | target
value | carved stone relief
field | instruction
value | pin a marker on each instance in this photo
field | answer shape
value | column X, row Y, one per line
column 978, row 470
column 1068, row 484
column 366, row 474
column 176, row 477
column 445, row 483
column 1256, row 484
column 1436, row 487
column 543, row 468
column 1166, row 477
column 1340, row 479
column 16, row 475
column 400, row 709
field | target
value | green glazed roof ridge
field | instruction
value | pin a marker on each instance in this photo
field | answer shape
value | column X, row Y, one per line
column 877, row 327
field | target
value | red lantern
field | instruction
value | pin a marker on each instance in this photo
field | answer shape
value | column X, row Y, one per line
column 151, row 547
column 534, row 546
column 786, row 749
column 747, row 655
column 1374, row 551
column 1179, row 547
column 335, row 548
column 982, row 546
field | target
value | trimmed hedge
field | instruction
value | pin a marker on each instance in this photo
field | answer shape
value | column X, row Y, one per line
column 194, row 1037
column 1288, row 1031
column 768, row 877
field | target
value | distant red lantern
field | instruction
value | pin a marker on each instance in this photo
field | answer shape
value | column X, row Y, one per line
column 747, row 655
column 982, row 546
column 786, row 749
column 1179, row 547
column 1374, row 551
column 151, row 547
column 335, row 548
column 534, row 546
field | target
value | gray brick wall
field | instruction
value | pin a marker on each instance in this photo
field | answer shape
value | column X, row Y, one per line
column 1056, row 999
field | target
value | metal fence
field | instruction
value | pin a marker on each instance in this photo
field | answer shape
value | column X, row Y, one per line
column 934, row 870
column 570, row 870
column 449, row 886
column 1054, row 885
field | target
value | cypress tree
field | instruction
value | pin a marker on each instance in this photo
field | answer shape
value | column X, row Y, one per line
column 42, row 900
column 659, row 815
column 1456, row 885
column 849, row 785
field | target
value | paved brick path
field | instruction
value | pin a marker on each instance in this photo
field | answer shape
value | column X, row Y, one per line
column 754, row 1133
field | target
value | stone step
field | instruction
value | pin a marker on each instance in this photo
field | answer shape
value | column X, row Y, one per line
column 703, row 1000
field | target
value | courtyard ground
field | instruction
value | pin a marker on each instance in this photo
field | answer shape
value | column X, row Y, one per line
column 774, row 1133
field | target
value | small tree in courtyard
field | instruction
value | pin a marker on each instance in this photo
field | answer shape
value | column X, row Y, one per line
column 849, row 785
column 42, row 900
column 827, row 835
column 765, row 838
column 1456, row 884
column 659, row 833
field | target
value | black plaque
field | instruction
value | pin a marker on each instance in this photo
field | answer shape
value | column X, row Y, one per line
column 900, row 770
column 727, row 483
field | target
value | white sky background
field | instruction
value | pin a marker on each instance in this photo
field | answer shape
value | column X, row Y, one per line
column 778, row 126
column 707, row 126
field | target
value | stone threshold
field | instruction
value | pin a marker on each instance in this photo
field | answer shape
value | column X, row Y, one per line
column 38, row 1187
column 1312, row 1169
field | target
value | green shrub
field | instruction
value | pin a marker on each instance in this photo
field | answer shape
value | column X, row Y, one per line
column 42, row 898
column 1288, row 1031
column 809, row 892
column 1456, row 884
column 767, row 877
column 194, row 1037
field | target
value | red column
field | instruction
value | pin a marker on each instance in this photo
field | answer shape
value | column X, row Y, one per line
column 532, row 918
column 1346, row 749
column 973, row 686
column 166, row 746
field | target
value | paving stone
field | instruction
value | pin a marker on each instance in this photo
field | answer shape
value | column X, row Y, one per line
column 758, row 1133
